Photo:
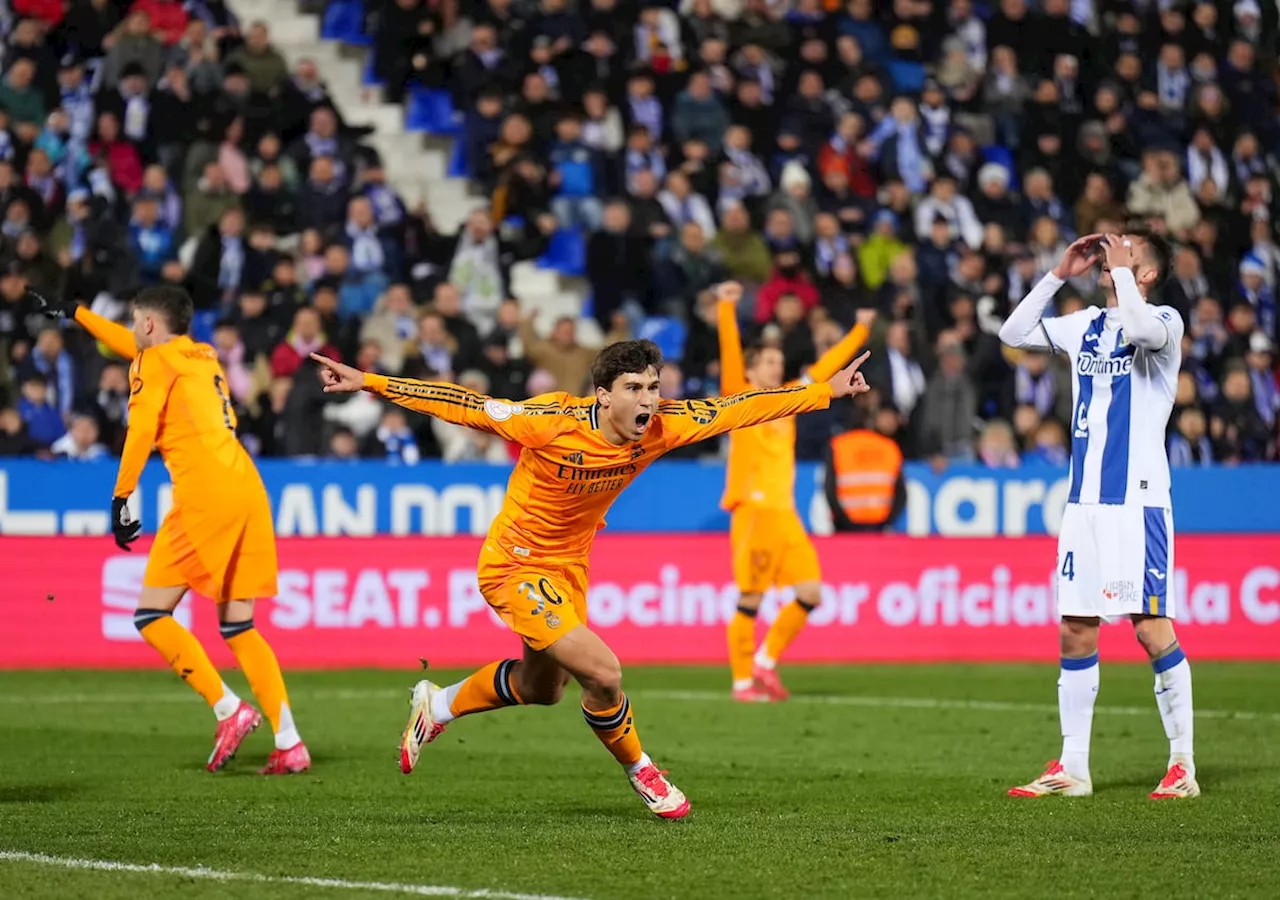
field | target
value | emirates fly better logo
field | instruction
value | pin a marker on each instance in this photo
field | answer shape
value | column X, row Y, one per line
column 121, row 586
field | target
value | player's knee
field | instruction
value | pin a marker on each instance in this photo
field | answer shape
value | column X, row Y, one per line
column 1078, row 636
column 1155, row 634
column 809, row 595
column 748, row 603
column 604, row 682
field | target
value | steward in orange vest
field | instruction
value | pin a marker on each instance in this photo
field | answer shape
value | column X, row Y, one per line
column 865, row 486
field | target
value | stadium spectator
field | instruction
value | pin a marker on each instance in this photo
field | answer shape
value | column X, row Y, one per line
column 833, row 159
column 305, row 338
column 81, row 440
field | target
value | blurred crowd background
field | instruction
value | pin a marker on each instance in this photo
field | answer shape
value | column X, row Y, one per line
column 926, row 159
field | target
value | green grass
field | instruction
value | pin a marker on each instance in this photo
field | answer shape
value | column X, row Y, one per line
column 834, row 795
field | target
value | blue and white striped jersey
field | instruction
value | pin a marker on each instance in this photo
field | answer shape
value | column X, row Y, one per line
column 1122, row 398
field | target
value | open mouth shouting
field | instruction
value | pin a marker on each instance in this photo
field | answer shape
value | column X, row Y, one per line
column 642, row 421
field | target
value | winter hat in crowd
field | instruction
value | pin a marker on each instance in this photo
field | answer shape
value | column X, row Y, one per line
column 992, row 174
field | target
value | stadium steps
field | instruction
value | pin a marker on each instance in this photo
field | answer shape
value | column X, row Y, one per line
column 417, row 165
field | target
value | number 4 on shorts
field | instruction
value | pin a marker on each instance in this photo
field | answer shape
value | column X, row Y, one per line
column 1069, row 566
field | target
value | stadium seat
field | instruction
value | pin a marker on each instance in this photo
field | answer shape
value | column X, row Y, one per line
column 344, row 21
column 431, row 111
column 566, row 253
column 458, row 167
column 202, row 325
column 669, row 334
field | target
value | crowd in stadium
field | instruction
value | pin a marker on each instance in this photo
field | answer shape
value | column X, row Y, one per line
column 929, row 160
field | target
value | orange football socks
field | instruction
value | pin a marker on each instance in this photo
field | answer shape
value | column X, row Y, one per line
column 782, row 632
column 742, row 644
column 614, row 728
column 491, row 687
column 185, row 655
column 258, row 662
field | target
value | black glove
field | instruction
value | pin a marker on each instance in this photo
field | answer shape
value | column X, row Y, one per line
column 124, row 526
column 54, row 309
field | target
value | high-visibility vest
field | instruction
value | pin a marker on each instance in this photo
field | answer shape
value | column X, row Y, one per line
column 866, row 465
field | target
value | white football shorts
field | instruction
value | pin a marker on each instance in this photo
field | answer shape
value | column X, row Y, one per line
column 1116, row 560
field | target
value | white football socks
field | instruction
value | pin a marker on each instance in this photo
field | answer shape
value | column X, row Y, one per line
column 643, row 761
column 287, row 736
column 1077, row 693
column 1173, row 697
column 441, row 701
column 226, row 707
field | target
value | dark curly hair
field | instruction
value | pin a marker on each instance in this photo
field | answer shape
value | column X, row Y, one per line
column 624, row 358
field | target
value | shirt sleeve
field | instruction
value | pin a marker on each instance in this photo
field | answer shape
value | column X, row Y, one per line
column 837, row 357
column 1026, row 326
column 733, row 370
column 533, row 423
column 119, row 340
column 1143, row 323
column 150, row 379
column 689, row 421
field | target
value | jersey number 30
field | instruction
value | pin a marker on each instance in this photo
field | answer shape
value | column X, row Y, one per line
column 220, row 385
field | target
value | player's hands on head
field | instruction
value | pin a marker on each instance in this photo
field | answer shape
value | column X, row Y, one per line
column 337, row 378
column 53, row 308
column 124, row 527
column 1080, row 257
column 1119, row 251
column 729, row 292
column 849, row 382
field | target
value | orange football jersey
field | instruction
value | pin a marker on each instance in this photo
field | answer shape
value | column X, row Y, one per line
column 180, row 404
column 761, row 470
column 568, row 475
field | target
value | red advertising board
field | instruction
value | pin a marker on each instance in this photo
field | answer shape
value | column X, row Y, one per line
column 662, row 599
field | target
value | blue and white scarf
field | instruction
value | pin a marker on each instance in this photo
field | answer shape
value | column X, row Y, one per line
column 911, row 162
column 387, row 207
column 1173, row 86
column 366, row 249
column 647, row 111
column 937, row 124
column 231, row 265
column 1038, row 391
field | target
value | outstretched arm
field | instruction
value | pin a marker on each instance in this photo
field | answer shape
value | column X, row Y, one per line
column 688, row 421
column 838, row 356
column 119, row 340
column 733, row 370
column 531, row 424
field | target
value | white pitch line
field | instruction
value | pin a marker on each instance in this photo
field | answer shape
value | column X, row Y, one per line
column 934, row 703
column 929, row 703
column 200, row 872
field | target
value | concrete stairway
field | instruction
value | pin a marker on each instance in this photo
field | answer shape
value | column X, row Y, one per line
column 417, row 165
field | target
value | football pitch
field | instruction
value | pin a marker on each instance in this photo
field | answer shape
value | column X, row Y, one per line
column 876, row 782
